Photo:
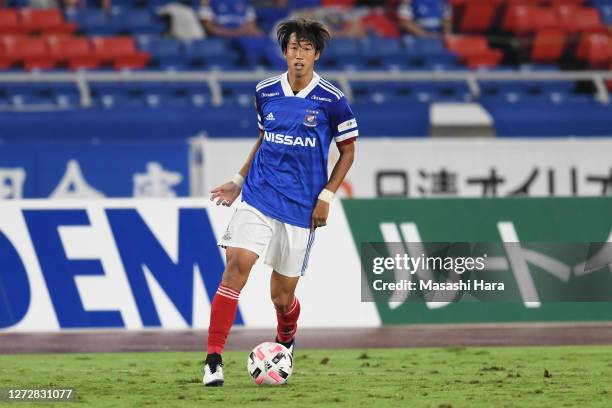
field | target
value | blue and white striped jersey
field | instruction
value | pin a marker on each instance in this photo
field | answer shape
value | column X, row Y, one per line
column 289, row 169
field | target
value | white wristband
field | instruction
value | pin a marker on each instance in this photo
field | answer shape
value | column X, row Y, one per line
column 238, row 180
column 326, row 195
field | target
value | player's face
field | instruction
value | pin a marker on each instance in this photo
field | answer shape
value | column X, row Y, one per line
column 301, row 56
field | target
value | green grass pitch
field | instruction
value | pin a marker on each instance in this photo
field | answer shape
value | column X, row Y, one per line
column 417, row 377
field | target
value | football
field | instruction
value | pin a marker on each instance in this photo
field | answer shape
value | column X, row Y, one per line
column 270, row 363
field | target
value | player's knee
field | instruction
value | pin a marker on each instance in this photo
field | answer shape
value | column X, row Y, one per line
column 282, row 301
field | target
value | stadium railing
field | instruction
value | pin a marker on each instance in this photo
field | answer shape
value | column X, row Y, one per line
column 82, row 79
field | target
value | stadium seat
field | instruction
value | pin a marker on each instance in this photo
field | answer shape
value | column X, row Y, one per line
column 580, row 20
column 166, row 54
column 74, row 52
column 136, row 22
column 596, row 50
column 524, row 19
column 121, row 51
column 474, row 51
column 477, row 16
column 46, row 21
column 605, row 12
column 42, row 93
column 211, row 53
column 9, row 23
column 380, row 25
column 238, row 93
column 548, row 46
column 92, row 22
column 30, row 51
column 382, row 52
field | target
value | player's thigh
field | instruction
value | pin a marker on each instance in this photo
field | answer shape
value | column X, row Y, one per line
column 239, row 262
column 282, row 289
column 289, row 249
column 245, row 239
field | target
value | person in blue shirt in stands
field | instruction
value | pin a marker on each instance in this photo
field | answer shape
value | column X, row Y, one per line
column 236, row 20
column 425, row 18
column 229, row 18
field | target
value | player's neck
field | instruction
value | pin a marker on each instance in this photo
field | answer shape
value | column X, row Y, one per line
column 298, row 83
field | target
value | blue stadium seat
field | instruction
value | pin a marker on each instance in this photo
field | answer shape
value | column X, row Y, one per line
column 424, row 46
column 238, row 93
column 343, row 48
column 368, row 93
column 133, row 21
column 92, row 22
column 160, row 47
column 25, row 94
column 166, row 54
column 443, row 91
column 214, row 53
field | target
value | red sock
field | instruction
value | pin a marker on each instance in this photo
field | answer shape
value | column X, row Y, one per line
column 287, row 323
column 222, row 315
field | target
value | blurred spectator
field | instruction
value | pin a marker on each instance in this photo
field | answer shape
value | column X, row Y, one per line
column 236, row 19
column 340, row 21
column 184, row 24
column 425, row 18
column 269, row 12
column 229, row 18
column 72, row 6
column 43, row 4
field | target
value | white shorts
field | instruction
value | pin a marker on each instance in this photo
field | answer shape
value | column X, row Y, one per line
column 288, row 245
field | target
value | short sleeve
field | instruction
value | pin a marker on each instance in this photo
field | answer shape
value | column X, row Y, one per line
column 404, row 12
column 342, row 122
column 447, row 10
column 206, row 13
column 258, row 110
column 250, row 15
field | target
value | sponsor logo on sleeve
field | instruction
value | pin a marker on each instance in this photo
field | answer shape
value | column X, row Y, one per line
column 349, row 124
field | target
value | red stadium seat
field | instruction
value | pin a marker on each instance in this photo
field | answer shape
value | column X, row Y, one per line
column 516, row 19
column 136, row 61
column 109, row 48
column 548, row 46
column 47, row 21
column 576, row 19
column 596, row 50
column 380, row 24
column 121, row 51
column 9, row 22
column 338, row 3
column 31, row 51
column 577, row 3
column 523, row 19
column 473, row 50
column 477, row 16
column 75, row 52
column 5, row 62
column 20, row 47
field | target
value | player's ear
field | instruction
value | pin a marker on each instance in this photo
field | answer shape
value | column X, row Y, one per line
column 317, row 55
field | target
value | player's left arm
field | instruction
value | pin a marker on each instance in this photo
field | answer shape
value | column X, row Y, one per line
column 344, row 131
column 341, row 168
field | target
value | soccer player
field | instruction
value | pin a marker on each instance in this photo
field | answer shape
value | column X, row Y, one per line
column 286, row 192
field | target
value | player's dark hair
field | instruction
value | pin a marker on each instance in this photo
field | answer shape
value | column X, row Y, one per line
column 305, row 30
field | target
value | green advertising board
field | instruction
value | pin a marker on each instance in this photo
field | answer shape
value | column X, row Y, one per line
column 522, row 220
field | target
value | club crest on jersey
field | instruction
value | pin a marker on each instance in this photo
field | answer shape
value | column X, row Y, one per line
column 310, row 120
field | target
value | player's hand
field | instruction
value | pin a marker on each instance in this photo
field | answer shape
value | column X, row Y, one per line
column 225, row 194
column 319, row 215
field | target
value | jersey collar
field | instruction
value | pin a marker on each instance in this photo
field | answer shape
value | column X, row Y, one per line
column 304, row 92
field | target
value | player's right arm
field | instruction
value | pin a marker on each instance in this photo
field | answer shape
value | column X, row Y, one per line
column 226, row 193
